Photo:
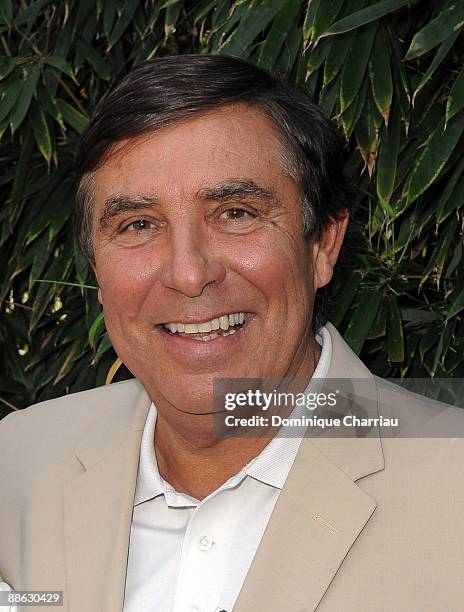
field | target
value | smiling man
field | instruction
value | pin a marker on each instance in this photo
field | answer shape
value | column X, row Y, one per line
column 212, row 206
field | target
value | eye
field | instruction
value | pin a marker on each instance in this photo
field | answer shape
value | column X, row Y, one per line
column 236, row 214
column 138, row 226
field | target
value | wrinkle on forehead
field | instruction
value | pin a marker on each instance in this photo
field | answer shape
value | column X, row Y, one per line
column 118, row 150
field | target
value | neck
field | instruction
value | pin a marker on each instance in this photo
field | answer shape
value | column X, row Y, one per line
column 196, row 462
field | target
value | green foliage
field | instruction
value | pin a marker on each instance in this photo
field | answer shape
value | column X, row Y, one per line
column 390, row 73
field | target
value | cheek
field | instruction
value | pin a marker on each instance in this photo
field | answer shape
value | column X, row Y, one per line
column 124, row 280
column 276, row 264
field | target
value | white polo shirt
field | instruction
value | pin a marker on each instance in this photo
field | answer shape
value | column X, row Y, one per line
column 187, row 555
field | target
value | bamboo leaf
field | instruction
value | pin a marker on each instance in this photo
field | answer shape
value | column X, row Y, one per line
column 6, row 11
column 380, row 75
column 7, row 65
column 379, row 327
column 104, row 346
column 395, row 340
column 365, row 16
column 96, row 329
column 41, row 256
column 350, row 287
column 447, row 23
column 172, row 15
column 48, row 103
column 324, row 16
column 72, row 116
column 351, row 116
column 112, row 371
column 309, row 19
column 41, row 132
column 362, row 319
column 27, row 91
column 387, row 161
column 278, row 34
column 336, row 55
column 367, row 135
column 258, row 15
column 61, row 214
column 328, row 96
column 123, row 22
column 455, row 260
column 441, row 251
column 74, row 352
column 44, row 217
column 204, row 10
column 434, row 157
column 450, row 200
column 20, row 183
column 94, row 59
column 109, row 13
column 30, row 13
column 57, row 272
column 456, row 97
column 10, row 97
column 400, row 80
column 318, row 55
column 62, row 65
column 355, row 65
column 456, row 307
column 437, row 61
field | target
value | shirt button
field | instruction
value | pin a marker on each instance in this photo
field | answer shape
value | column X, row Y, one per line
column 205, row 543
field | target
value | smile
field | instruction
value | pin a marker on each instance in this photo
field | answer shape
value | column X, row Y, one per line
column 225, row 325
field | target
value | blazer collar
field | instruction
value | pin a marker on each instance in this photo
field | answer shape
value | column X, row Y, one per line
column 111, row 430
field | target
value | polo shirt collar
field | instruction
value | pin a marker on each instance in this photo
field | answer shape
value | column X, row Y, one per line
column 270, row 467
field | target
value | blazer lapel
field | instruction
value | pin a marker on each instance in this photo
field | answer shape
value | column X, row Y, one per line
column 321, row 510
column 316, row 520
column 98, row 507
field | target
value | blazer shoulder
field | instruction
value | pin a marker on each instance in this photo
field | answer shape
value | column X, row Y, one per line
column 419, row 415
column 57, row 423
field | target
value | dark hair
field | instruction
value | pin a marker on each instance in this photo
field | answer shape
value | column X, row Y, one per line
column 165, row 90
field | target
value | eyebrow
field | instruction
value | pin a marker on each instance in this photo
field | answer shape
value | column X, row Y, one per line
column 233, row 189
column 118, row 203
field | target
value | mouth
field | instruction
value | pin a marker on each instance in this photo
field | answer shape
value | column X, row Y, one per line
column 208, row 331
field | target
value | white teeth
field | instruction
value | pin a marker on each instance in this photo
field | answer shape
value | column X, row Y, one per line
column 204, row 327
column 191, row 328
column 223, row 323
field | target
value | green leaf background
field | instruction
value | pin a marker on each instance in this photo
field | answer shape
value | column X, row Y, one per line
column 390, row 73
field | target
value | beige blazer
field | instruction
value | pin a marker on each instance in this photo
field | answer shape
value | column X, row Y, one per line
column 362, row 524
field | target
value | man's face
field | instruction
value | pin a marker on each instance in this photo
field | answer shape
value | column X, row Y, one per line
column 192, row 224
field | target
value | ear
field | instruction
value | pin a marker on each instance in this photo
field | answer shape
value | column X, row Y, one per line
column 326, row 250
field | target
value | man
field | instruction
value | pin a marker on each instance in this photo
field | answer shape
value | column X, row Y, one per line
column 212, row 206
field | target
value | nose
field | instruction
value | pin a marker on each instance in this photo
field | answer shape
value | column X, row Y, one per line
column 190, row 264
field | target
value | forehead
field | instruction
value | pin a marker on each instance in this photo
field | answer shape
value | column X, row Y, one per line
column 232, row 141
